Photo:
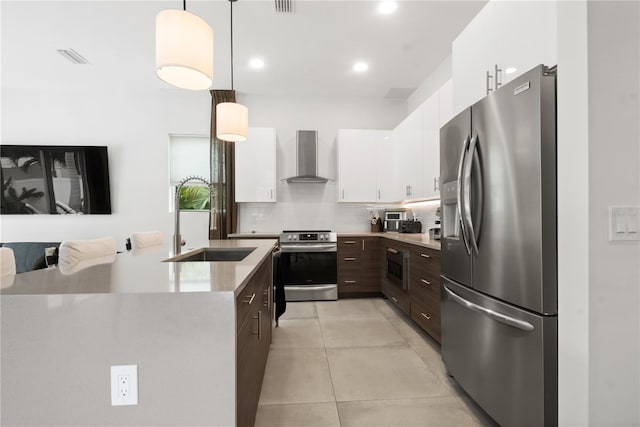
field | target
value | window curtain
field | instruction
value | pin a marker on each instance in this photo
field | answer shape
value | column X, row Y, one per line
column 224, row 219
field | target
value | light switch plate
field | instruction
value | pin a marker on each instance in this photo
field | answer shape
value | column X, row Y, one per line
column 624, row 223
column 124, row 385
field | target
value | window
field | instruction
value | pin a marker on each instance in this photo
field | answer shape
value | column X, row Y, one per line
column 189, row 156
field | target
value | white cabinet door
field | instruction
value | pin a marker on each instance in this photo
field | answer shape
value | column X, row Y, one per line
column 408, row 157
column 255, row 166
column 431, row 145
column 357, row 165
column 385, row 166
column 510, row 34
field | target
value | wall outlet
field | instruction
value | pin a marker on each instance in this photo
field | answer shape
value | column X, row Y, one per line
column 124, row 385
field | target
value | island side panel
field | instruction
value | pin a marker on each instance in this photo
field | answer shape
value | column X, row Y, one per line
column 57, row 351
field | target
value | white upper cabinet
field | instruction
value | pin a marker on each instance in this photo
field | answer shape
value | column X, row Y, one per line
column 514, row 35
column 431, row 146
column 408, row 156
column 255, row 166
column 364, row 170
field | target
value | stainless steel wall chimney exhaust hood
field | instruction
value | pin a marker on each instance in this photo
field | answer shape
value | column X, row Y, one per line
column 307, row 158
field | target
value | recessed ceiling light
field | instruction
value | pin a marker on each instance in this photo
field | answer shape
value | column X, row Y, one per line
column 360, row 67
column 256, row 63
column 387, row 7
column 510, row 70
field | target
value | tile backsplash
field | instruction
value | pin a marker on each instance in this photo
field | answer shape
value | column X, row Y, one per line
column 315, row 206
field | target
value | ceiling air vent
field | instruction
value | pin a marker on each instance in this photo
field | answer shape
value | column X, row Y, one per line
column 73, row 56
column 284, row 6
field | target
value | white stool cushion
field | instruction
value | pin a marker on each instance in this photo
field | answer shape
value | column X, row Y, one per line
column 7, row 267
column 72, row 252
column 146, row 239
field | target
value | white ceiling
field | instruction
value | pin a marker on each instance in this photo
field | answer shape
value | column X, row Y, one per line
column 307, row 52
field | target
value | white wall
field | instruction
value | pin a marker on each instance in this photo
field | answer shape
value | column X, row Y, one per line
column 439, row 77
column 614, row 180
column 598, row 167
column 573, row 215
column 312, row 205
column 134, row 125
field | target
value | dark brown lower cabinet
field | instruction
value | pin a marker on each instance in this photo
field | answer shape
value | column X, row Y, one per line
column 358, row 266
column 425, row 288
column 254, row 313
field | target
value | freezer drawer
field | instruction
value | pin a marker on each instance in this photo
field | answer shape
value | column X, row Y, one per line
column 503, row 357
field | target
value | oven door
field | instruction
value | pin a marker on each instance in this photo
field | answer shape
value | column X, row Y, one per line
column 309, row 272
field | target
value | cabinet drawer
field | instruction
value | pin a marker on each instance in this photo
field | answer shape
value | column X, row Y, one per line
column 396, row 296
column 423, row 287
column 426, row 314
column 425, row 255
column 248, row 299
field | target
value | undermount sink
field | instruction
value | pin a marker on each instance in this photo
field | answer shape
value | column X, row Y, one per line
column 213, row 255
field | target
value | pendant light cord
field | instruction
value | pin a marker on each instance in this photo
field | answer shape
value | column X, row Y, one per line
column 231, row 1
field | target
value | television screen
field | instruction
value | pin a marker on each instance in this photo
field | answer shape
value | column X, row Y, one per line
column 67, row 180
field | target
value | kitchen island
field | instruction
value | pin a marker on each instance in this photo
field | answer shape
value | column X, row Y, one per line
column 178, row 322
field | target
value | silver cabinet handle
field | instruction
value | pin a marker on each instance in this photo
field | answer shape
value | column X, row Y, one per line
column 349, row 242
column 271, row 191
column 489, row 77
column 250, row 299
column 349, row 259
column 266, row 294
column 426, row 282
column 499, row 317
column 362, row 245
column 425, row 316
column 343, row 194
column 435, row 184
column 259, row 333
column 379, row 197
column 425, row 255
column 394, row 299
column 348, row 282
column 497, row 74
column 391, row 250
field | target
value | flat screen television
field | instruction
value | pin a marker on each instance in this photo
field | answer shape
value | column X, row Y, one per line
column 52, row 179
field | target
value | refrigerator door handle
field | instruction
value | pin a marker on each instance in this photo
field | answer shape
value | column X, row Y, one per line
column 502, row 318
column 477, row 162
column 459, row 198
column 467, row 193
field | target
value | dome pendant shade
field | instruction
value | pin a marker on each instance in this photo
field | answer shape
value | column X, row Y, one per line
column 232, row 121
column 184, row 50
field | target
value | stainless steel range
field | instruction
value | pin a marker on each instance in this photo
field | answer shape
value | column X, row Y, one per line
column 309, row 265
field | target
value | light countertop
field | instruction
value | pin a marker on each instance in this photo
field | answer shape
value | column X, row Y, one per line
column 419, row 239
column 143, row 271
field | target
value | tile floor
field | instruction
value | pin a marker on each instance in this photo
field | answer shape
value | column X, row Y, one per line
column 358, row 362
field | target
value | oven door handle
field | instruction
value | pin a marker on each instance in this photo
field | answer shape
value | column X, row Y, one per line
column 310, row 287
column 332, row 247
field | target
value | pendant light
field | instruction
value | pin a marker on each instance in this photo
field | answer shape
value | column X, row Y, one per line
column 184, row 49
column 232, row 119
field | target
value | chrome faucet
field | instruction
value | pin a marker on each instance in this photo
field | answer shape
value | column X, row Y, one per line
column 177, row 238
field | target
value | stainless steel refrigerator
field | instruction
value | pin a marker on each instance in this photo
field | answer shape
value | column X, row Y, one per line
column 499, row 250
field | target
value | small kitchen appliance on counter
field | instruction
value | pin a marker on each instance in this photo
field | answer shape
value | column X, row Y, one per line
column 410, row 227
column 392, row 219
column 309, row 265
